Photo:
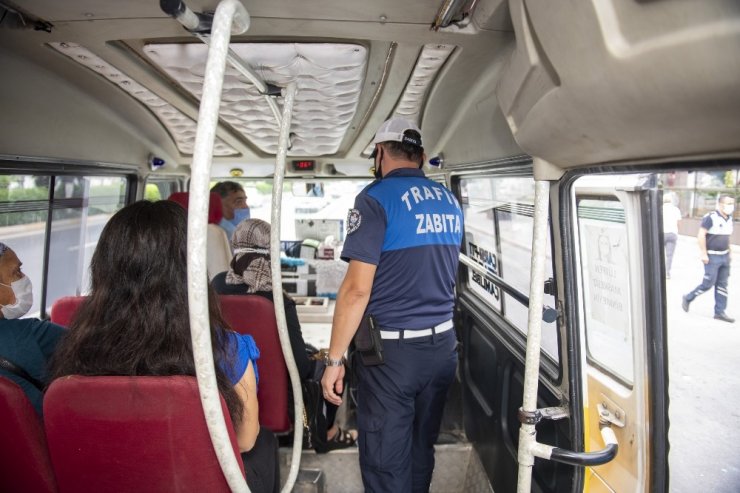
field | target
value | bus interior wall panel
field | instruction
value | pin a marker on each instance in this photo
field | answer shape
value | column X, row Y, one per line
column 643, row 50
column 28, row 128
column 492, row 395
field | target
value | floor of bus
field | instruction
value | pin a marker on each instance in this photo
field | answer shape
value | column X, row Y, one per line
column 457, row 467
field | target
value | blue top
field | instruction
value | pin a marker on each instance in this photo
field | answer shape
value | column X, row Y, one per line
column 245, row 350
column 29, row 343
column 411, row 228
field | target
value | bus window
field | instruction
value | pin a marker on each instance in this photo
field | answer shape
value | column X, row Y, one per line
column 160, row 188
column 80, row 206
column 606, row 298
column 498, row 227
column 25, row 207
column 314, row 209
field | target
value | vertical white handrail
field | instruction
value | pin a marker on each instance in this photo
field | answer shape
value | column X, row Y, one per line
column 230, row 14
column 528, row 432
column 277, row 292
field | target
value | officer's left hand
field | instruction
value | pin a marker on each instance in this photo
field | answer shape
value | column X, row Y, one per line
column 332, row 380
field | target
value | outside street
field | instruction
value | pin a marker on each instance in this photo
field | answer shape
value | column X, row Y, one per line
column 704, row 380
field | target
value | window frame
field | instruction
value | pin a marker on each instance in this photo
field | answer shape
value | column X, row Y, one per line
column 54, row 170
column 503, row 327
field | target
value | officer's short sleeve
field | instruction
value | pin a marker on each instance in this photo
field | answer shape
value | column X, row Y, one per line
column 366, row 224
column 706, row 222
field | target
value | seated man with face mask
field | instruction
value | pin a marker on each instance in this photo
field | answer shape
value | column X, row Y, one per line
column 25, row 344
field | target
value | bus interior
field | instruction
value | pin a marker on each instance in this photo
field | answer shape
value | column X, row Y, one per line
column 560, row 127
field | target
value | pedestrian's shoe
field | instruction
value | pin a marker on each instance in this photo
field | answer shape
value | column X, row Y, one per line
column 724, row 317
column 685, row 303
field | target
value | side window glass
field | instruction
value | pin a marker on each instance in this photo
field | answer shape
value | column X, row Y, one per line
column 499, row 213
column 80, row 207
column 159, row 189
column 24, row 203
column 604, row 253
column 310, row 210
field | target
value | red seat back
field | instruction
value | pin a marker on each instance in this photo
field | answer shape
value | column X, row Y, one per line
column 24, row 458
column 215, row 207
column 255, row 315
column 123, row 434
column 63, row 310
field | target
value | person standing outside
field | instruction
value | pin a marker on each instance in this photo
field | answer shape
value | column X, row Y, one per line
column 714, row 244
column 233, row 205
column 403, row 240
column 671, row 216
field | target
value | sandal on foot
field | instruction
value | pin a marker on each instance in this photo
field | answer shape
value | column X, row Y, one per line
column 342, row 439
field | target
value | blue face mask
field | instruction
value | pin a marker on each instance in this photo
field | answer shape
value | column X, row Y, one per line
column 240, row 215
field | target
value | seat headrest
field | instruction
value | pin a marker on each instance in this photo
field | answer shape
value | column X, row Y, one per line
column 215, row 210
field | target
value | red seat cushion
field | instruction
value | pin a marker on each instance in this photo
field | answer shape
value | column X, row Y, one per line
column 215, row 207
column 63, row 310
column 123, row 434
column 24, row 458
column 250, row 314
column 255, row 315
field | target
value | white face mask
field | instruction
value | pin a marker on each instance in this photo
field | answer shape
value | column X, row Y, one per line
column 23, row 298
column 728, row 209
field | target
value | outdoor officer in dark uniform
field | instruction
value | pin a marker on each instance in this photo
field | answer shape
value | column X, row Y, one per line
column 403, row 241
column 714, row 244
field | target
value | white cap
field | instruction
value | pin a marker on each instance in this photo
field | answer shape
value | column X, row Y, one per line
column 393, row 130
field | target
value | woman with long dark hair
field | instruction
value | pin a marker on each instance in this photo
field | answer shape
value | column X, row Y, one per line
column 135, row 322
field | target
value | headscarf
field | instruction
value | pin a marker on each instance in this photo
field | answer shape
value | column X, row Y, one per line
column 251, row 263
column 3, row 248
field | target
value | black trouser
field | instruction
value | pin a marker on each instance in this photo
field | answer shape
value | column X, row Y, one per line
column 400, row 411
column 262, row 464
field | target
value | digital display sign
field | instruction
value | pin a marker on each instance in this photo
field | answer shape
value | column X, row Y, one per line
column 305, row 165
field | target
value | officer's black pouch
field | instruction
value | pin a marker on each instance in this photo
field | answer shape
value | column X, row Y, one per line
column 368, row 343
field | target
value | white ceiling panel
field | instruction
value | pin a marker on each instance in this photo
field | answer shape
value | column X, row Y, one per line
column 329, row 78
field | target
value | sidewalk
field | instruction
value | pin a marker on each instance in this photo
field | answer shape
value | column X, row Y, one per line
column 704, row 379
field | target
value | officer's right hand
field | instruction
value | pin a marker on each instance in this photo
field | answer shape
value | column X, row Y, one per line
column 705, row 258
column 332, row 383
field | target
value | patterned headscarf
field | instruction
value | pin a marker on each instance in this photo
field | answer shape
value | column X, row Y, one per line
column 251, row 263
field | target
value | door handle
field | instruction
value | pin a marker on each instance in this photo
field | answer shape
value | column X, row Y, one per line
column 557, row 454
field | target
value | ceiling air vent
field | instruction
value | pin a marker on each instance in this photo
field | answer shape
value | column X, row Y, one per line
column 329, row 79
column 430, row 61
column 181, row 127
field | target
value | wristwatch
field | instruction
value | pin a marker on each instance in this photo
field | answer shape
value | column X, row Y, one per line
column 333, row 362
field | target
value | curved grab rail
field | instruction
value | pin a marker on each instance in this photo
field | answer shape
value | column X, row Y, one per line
column 277, row 194
column 230, row 18
column 597, row 458
column 229, row 14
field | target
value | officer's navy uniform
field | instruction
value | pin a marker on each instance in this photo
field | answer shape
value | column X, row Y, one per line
column 717, row 270
column 410, row 228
